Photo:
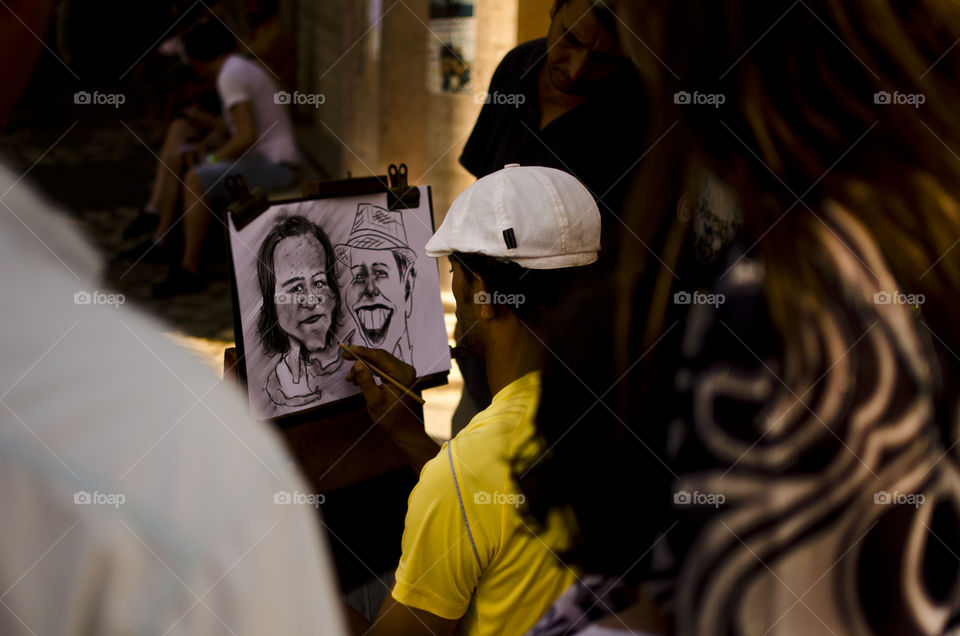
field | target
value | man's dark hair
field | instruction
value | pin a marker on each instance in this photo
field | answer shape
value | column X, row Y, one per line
column 601, row 11
column 259, row 11
column 208, row 40
column 274, row 339
column 540, row 290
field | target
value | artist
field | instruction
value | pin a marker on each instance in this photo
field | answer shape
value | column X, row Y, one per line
column 468, row 563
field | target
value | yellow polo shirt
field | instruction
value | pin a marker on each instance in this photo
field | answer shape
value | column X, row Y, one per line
column 467, row 552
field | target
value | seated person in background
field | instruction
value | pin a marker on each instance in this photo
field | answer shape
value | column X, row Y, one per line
column 198, row 130
column 469, row 563
column 196, row 125
column 270, row 42
column 260, row 147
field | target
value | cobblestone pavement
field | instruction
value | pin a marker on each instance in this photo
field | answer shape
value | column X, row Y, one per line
column 100, row 174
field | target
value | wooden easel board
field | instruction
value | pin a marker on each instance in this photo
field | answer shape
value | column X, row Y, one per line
column 345, row 263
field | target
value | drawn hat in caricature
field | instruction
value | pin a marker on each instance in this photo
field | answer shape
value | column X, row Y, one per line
column 376, row 228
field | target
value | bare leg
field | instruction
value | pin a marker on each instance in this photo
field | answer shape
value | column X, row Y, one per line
column 166, row 185
column 179, row 132
column 196, row 220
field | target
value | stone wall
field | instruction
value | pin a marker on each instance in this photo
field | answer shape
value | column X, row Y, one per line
column 369, row 60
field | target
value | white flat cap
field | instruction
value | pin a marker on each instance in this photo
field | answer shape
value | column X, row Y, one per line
column 536, row 217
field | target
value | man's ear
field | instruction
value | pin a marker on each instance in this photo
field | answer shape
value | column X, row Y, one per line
column 408, row 285
column 554, row 8
column 483, row 299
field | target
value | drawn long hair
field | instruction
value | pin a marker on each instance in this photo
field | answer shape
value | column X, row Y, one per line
column 274, row 339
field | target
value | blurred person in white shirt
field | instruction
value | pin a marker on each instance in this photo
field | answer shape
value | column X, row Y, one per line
column 138, row 496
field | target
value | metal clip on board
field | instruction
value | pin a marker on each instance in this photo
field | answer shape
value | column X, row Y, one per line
column 246, row 205
column 401, row 195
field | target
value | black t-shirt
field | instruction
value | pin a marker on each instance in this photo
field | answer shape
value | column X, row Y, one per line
column 600, row 142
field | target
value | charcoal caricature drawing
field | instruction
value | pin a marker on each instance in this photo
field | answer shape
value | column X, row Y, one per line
column 312, row 273
column 301, row 311
column 381, row 271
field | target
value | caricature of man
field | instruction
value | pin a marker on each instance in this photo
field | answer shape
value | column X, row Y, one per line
column 381, row 275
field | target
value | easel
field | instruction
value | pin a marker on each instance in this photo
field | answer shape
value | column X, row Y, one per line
column 341, row 452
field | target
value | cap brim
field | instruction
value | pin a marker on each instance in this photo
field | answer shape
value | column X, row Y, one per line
column 434, row 249
column 553, row 262
column 533, row 262
column 437, row 253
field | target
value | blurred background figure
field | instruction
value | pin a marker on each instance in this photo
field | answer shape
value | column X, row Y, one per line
column 270, row 42
column 570, row 101
column 758, row 428
column 258, row 145
column 138, row 494
column 199, row 126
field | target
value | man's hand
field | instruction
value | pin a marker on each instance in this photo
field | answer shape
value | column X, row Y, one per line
column 388, row 406
column 396, row 413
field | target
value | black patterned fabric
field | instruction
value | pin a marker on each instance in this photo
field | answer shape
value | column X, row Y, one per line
column 817, row 488
column 587, row 600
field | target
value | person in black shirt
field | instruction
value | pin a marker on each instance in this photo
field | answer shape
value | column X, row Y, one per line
column 570, row 101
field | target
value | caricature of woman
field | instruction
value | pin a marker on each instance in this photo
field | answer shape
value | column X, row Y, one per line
column 300, row 313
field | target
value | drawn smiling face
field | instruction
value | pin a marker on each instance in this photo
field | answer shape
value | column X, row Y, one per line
column 305, row 303
column 375, row 297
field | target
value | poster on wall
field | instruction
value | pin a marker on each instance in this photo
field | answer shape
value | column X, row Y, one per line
column 452, row 47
